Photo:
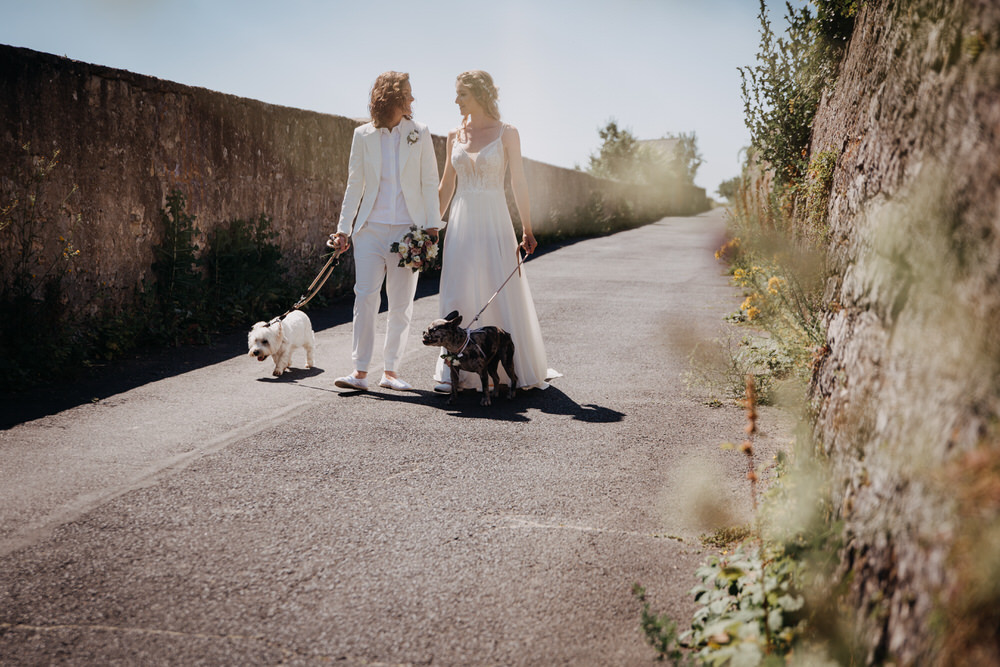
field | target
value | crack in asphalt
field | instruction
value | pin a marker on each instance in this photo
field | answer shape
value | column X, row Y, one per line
column 528, row 522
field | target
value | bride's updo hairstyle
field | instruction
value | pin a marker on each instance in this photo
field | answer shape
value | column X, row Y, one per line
column 387, row 97
column 480, row 84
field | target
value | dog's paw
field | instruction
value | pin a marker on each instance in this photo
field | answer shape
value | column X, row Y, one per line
column 485, row 400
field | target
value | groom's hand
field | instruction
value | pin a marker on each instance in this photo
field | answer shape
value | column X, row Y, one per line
column 432, row 232
column 338, row 242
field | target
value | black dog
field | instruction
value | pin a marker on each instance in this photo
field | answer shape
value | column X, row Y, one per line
column 474, row 350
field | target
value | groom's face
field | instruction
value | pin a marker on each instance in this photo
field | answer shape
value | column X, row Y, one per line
column 407, row 100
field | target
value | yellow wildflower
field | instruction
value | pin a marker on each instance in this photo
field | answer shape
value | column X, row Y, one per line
column 774, row 284
column 753, row 312
column 748, row 302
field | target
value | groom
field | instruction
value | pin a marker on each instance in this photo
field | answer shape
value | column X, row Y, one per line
column 392, row 181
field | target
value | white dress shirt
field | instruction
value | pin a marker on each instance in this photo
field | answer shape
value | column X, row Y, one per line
column 390, row 207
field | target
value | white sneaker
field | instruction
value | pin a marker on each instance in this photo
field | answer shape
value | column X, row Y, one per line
column 351, row 382
column 443, row 388
column 394, row 383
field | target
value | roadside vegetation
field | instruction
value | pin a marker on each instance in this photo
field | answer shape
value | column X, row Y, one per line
column 767, row 594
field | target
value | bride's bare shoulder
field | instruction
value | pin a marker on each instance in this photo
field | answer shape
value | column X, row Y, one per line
column 510, row 134
column 510, row 130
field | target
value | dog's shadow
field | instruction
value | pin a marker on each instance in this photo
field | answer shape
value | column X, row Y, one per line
column 292, row 374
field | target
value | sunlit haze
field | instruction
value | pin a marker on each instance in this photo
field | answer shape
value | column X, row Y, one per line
column 564, row 68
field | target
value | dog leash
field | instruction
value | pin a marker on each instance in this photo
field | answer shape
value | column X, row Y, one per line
column 517, row 269
column 314, row 288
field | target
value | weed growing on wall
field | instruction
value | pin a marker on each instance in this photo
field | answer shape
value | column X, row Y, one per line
column 180, row 282
column 782, row 90
column 246, row 280
column 37, row 256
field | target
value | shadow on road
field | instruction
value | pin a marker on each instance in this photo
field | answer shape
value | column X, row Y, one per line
column 550, row 401
column 151, row 365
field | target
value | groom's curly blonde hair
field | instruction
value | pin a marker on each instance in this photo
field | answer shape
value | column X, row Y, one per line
column 387, row 96
column 481, row 85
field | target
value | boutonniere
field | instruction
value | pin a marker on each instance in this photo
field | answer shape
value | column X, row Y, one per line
column 413, row 137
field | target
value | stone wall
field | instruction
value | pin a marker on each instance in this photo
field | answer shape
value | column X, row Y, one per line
column 127, row 140
column 910, row 388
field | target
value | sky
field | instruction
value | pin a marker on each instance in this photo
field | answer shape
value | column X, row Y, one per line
column 564, row 67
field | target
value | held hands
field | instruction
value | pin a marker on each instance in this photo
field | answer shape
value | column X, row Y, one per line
column 529, row 243
column 338, row 242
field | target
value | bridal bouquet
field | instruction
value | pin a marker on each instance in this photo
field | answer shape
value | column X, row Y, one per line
column 417, row 249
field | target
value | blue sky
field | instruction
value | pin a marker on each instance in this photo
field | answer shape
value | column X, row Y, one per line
column 564, row 67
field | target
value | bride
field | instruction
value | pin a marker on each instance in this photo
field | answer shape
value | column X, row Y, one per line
column 480, row 247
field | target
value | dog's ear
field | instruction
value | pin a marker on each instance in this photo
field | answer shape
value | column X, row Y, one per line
column 453, row 318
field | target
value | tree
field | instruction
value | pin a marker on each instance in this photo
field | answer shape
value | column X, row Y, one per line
column 622, row 157
column 686, row 156
column 728, row 188
column 618, row 156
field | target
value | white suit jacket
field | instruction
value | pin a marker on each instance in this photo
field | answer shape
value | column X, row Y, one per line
column 418, row 176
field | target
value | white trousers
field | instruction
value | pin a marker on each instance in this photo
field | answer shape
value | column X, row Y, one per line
column 373, row 263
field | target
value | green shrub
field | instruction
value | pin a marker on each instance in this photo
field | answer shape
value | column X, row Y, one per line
column 750, row 606
column 781, row 92
column 247, row 281
column 180, row 283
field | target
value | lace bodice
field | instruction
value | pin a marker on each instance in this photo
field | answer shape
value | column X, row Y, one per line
column 480, row 171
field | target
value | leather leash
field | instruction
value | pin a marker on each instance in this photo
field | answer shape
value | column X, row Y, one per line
column 517, row 269
column 314, row 288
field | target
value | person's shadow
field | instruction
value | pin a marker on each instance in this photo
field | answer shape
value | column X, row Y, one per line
column 466, row 404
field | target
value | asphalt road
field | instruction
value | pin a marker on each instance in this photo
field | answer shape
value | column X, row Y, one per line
column 220, row 516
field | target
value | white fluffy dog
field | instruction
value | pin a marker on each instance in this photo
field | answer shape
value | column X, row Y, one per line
column 280, row 338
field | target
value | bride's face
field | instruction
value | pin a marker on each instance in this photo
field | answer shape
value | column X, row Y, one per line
column 466, row 101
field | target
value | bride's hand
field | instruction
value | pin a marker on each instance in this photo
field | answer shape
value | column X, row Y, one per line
column 529, row 243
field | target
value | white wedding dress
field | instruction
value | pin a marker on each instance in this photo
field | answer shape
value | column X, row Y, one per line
column 480, row 252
